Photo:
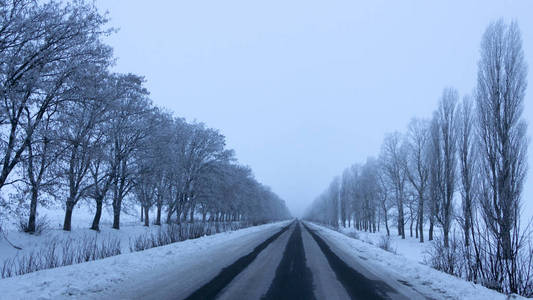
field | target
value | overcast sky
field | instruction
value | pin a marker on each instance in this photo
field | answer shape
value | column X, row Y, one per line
column 303, row 89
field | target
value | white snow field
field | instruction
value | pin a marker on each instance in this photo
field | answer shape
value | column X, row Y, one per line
column 405, row 266
column 138, row 275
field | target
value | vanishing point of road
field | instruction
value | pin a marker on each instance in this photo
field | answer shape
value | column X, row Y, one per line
column 295, row 263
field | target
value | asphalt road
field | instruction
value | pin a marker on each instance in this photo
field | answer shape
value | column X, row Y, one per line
column 295, row 263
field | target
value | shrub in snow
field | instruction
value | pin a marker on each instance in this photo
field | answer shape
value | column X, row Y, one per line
column 446, row 259
column 180, row 232
column 61, row 253
column 386, row 244
column 42, row 224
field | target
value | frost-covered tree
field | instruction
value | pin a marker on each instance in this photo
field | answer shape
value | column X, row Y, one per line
column 468, row 152
column 127, row 129
column 38, row 177
column 393, row 155
column 79, row 135
column 445, row 158
column 500, row 95
column 417, row 165
column 383, row 191
column 41, row 46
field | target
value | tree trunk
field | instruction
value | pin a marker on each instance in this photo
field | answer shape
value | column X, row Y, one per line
column 158, row 215
column 416, row 227
column 98, row 214
column 116, row 216
column 184, row 216
column 181, row 215
column 430, row 237
column 191, row 216
column 68, row 215
column 411, row 226
column 446, row 237
column 142, row 213
column 33, row 210
column 401, row 222
column 421, row 218
column 399, row 225
column 506, row 244
column 169, row 215
column 146, row 217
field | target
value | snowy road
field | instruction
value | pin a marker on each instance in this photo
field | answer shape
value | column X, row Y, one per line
column 272, row 261
column 285, row 260
column 297, row 264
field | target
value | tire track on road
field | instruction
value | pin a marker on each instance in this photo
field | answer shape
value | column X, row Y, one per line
column 211, row 289
column 294, row 279
column 355, row 283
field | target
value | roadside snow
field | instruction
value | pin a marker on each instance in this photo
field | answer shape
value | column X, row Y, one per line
column 82, row 218
column 410, row 247
column 421, row 278
column 130, row 275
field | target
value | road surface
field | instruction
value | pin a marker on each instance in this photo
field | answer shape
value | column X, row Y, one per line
column 294, row 263
column 289, row 261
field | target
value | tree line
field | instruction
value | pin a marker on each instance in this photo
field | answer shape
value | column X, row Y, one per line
column 462, row 171
column 72, row 130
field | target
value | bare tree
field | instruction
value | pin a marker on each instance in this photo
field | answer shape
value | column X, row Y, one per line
column 502, row 131
column 467, row 157
column 79, row 135
column 369, row 194
column 393, row 154
column 127, row 129
column 42, row 153
column 101, row 177
column 333, row 195
column 481, row 151
column 152, row 164
column 344, row 197
column 41, row 46
column 203, row 149
column 500, row 95
column 446, row 158
column 71, row 129
column 383, row 194
column 435, row 174
column 417, row 165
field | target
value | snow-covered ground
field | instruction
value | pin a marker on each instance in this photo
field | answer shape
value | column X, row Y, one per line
column 114, row 276
column 54, row 237
column 121, row 276
column 405, row 266
column 409, row 247
column 131, row 227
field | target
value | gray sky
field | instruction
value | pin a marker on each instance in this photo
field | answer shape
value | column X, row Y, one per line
column 303, row 89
